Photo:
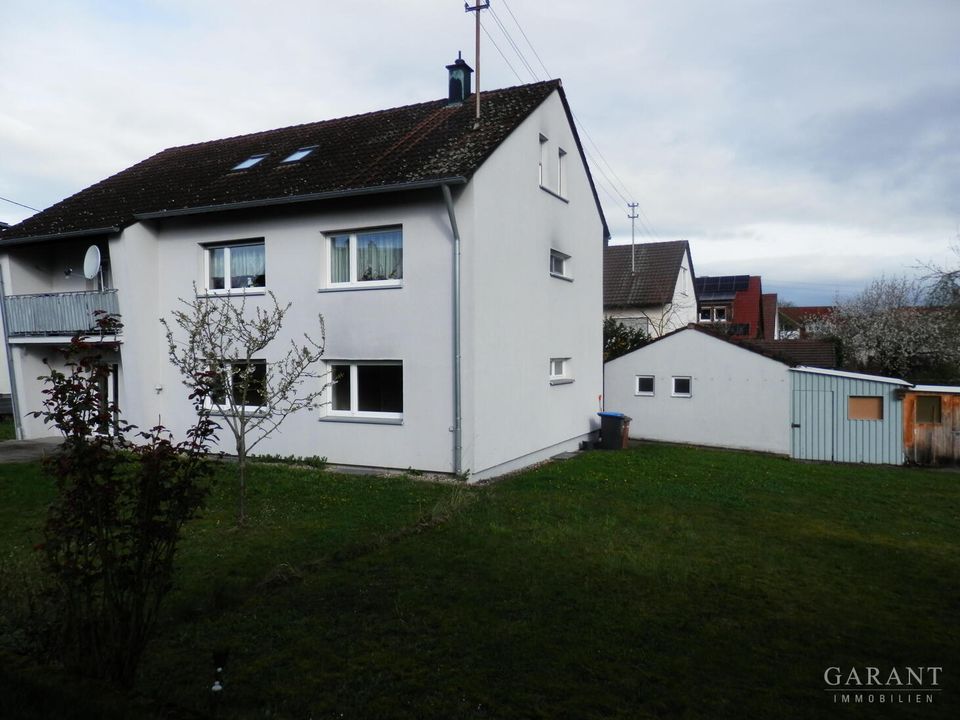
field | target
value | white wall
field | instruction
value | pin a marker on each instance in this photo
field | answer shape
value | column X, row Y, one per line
column 517, row 316
column 739, row 399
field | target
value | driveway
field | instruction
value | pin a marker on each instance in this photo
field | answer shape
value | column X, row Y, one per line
column 17, row 451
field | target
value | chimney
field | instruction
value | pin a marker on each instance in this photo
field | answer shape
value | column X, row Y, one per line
column 459, row 87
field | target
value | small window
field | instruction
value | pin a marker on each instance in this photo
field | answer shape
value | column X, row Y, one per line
column 367, row 389
column 644, row 385
column 558, row 264
column 250, row 162
column 865, row 407
column 374, row 257
column 706, row 314
column 560, row 373
column 299, row 154
column 562, row 172
column 719, row 314
column 543, row 149
column 237, row 267
column 239, row 385
column 929, row 409
column 682, row 387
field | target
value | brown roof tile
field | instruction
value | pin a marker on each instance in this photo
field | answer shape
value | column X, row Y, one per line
column 417, row 143
column 657, row 267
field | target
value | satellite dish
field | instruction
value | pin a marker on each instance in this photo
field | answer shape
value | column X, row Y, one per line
column 91, row 262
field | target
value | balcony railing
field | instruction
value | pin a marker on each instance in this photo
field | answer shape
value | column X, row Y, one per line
column 57, row 313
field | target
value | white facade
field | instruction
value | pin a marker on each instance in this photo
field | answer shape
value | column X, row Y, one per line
column 516, row 315
column 737, row 398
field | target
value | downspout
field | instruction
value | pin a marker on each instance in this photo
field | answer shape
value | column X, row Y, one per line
column 457, row 402
column 6, row 348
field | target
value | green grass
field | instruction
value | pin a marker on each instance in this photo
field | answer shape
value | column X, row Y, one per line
column 656, row 582
column 7, row 429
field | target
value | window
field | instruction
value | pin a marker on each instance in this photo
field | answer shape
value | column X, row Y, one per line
column 682, row 387
column 299, row 154
column 366, row 258
column 250, row 161
column 560, row 371
column 929, row 409
column 644, row 385
column 865, row 407
column 240, row 384
column 562, row 172
column 558, row 264
column 713, row 313
column 236, row 267
column 371, row 389
column 543, row 150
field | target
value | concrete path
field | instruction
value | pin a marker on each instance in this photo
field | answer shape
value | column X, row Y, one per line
column 18, row 451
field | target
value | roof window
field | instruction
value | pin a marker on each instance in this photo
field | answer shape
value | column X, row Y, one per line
column 300, row 154
column 250, row 161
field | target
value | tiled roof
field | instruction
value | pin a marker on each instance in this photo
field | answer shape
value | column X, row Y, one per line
column 419, row 143
column 657, row 267
column 800, row 314
column 812, row 353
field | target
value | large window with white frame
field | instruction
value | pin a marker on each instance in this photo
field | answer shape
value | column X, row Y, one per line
column 368, row 258
column 366, row 389
column 236, row 267
column 239, row 386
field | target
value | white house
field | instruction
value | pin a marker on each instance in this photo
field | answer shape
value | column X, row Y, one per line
column 457, row 265
column 693, row 386
column 650, row 286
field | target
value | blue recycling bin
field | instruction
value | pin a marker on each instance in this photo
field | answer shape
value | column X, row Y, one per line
column 614, row 430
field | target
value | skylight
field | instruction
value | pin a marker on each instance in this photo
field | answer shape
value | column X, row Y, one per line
column 250, row 161
column 300, row 154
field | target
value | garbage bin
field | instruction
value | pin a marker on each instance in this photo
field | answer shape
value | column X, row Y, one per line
column 614, row 430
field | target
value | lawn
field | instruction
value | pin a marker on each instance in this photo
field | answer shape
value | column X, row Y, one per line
column 656, row 582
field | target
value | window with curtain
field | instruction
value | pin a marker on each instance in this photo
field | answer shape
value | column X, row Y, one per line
column 237, row 267
column 367, row 257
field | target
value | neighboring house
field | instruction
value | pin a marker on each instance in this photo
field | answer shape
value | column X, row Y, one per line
column 457, row 264
column 931, row 424
column 798, row 322
column 693, row 386
column 650, row 286
column 735, row 304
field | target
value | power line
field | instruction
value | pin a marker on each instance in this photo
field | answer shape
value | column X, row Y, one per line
column 617, row 185
column 497, row 47
column 513, row 44
column 529, row 44
column 14, row 202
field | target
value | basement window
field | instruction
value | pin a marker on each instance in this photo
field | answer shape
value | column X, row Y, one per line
column 929, row 409
column 865, row 407
column 369, row 389
column 560, row 371
column 250, row 161
column 299, row 154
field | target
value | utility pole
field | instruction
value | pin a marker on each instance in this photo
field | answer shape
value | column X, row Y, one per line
column 633, row 235
column 478, row 6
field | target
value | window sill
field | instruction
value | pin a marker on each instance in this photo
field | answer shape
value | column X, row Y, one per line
column 561, row 381
column 643, row 395
column 250, row 412
column 231, row 293
column 362, row 420
column 557, row 195
column 558, row 276
column 351, row 288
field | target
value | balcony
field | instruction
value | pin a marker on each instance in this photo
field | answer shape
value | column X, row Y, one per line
column 60, row 314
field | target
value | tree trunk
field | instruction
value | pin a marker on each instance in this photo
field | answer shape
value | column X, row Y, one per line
column 242, row 471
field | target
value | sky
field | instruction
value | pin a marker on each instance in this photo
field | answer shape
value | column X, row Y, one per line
column 812, row 142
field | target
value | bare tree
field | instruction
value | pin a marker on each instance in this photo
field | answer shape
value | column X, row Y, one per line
column 221, row 345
